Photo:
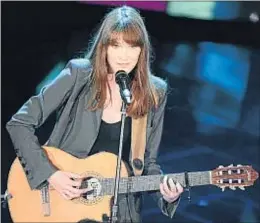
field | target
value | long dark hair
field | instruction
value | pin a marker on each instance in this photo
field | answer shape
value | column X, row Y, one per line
column 127, row 21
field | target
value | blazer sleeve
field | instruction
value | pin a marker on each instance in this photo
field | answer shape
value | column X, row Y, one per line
column 21, row 127
column 150, row 161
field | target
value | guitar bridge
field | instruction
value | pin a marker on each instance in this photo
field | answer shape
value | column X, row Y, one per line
column 45, row 200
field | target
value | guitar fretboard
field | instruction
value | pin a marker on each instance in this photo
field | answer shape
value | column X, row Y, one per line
column 152, row 182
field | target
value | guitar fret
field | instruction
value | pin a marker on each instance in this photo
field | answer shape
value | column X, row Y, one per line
column 180, row 177
column 199, row 178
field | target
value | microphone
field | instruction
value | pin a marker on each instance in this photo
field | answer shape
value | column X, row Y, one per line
column 123, row 80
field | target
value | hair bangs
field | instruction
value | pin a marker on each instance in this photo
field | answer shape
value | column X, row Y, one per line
column 131, row 34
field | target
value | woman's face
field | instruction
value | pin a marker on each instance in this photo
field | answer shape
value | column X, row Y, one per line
column 122, row 56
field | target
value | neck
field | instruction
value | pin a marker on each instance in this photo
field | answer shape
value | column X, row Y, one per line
column 111, row 81
column 111, row 77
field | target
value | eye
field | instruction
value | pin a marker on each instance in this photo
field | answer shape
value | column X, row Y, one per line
column 134, row 46
column 115, row 45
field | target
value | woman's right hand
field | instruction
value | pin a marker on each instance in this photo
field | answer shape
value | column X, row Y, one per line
column 67, row 184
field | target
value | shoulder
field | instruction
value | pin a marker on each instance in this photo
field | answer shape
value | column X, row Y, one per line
column 80, row 63
column 80, row 68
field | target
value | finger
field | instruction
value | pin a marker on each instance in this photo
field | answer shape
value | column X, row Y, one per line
column 172, row 185
column 74, row 175
column 179, row 187
column 65, row 195
column 162, row 190
column 165, row 185
column 69, row 194
column 73, row 190
column 75, row 183
column 77, row 192
column 83, row 191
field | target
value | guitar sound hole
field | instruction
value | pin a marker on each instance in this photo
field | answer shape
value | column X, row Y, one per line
column 94, row 184
column 85, row 195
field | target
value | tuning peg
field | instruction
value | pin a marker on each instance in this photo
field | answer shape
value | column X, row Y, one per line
column 232, row 188
column 222, row 188
column 241, row 187
column 231, row 165
column 220, row 166
column 239, row 165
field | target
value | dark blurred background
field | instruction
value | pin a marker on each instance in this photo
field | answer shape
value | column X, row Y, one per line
column 209, row 52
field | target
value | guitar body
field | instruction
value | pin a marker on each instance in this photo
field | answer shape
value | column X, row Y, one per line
column 26, row 204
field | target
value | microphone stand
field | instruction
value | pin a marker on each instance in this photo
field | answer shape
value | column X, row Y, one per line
column 118, row 166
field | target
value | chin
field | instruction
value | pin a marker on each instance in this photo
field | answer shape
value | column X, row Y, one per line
column 128, row 70
column 124, row 69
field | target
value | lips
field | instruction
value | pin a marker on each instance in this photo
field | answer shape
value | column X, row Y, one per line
column 123, row 64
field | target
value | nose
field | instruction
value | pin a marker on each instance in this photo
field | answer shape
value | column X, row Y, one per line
column 123, row 54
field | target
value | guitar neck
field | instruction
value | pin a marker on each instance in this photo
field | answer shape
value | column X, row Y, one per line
column 152, row 182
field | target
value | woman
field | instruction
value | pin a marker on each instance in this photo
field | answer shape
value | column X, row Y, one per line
column 88, row 103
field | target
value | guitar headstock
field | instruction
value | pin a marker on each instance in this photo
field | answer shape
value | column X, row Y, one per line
column 234, row 176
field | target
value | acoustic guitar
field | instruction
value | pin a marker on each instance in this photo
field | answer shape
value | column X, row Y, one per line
column 26, row 205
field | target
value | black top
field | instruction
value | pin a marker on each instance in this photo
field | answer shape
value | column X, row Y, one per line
column 109, row 136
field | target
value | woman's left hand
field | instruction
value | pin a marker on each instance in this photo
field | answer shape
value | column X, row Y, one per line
column 170, row 190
